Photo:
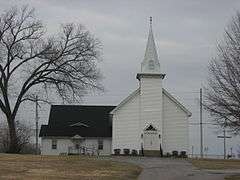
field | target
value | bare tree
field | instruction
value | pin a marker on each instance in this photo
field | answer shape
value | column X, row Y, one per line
column 32, row 63
column 223, row 92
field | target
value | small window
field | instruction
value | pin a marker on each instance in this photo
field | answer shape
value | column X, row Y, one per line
column 151, row 64
column 54, row 144
column 100, row 144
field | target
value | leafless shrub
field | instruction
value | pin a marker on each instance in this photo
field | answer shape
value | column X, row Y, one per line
column 23, row 136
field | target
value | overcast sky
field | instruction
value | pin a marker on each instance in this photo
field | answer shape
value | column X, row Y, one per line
column 186, row 33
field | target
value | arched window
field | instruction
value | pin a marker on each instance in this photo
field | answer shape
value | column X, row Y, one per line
column 151, row 64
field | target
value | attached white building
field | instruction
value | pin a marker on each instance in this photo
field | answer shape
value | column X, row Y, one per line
column 150, row 120
column 76, row 129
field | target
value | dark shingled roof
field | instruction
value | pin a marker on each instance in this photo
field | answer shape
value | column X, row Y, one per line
column 93, row 121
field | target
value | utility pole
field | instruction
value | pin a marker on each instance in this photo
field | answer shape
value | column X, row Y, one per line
column 201, row 125
column 206, row 151
column 224, row 141
column 36, row 120
column 192, row 150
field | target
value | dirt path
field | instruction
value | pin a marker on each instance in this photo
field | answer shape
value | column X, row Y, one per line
column 169, row 169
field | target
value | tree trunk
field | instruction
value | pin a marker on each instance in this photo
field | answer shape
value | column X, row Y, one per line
column 13, row 145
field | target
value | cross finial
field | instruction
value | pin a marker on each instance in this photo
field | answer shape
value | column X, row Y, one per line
column 150, row 20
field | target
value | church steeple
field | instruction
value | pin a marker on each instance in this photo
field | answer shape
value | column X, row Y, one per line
column 150, row 63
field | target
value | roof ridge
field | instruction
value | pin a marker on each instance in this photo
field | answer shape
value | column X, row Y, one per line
column 83, row 105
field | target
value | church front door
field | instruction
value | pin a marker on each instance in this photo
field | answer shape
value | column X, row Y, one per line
column 151, row 139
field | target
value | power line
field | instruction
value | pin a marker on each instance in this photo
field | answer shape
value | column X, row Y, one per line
column 202, row 123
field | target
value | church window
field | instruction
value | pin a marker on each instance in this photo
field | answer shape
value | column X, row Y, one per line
column 151, row 64
column 150, row 128
column 54, row 144
column 100, row 144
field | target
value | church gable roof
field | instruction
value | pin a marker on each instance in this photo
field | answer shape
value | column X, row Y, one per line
column 85, row 121
column 136, row 92
column 124, row 101
column 177, row 102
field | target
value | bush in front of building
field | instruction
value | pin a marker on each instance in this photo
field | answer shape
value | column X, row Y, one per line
column 175, row 153
column 134, row 152
column 117, row 151
column 168, row 154
column 183, row 154
column 126, row 151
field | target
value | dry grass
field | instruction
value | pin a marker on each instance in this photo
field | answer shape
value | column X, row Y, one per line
column 216, row 163
column 233, row 177
column 30, row 167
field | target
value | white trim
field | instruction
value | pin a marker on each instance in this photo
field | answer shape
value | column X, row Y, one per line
column 77, row 137
column 69, row 137
column 79, row 124
column 133, row 94
column 177, row 102
column 147, row 126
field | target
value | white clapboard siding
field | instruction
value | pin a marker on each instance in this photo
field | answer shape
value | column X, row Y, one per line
column 64, row 142
column 62, row 146
column 151, row 102
column 126, row 124
column 175, row 126
column 151, row 106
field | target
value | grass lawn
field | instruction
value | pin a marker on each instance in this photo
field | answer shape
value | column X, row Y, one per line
column 233, row 177
column 30, row 167
column 218, row 164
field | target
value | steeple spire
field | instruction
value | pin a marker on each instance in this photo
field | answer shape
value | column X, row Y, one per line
column 150, row 62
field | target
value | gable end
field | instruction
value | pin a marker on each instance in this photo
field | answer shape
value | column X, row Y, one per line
column 189, row 114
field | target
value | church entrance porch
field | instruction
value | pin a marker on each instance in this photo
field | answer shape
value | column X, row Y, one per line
column 78, row 145
column 151, row 141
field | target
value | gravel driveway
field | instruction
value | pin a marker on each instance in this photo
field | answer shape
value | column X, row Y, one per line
column 169, row 169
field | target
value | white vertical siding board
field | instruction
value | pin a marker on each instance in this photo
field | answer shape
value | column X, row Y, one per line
column 175, row 126
column 151, row 105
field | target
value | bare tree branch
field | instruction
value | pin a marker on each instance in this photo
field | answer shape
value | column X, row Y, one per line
column 32, row 63
column 223, row 92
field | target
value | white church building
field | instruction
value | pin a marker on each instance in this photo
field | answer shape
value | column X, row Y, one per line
column 150, row 120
